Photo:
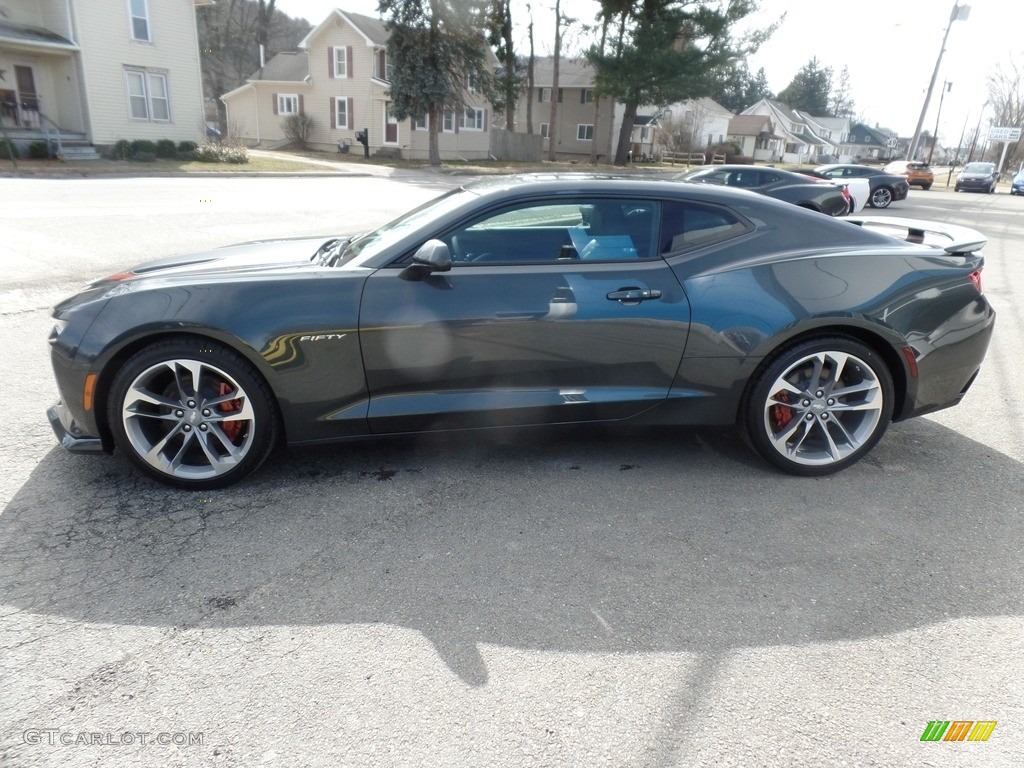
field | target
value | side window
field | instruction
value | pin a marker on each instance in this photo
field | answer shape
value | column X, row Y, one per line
column 689, row 224
column 767, row 177
column 593, row 229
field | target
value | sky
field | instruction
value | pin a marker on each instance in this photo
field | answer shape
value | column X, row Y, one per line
column 889, row 48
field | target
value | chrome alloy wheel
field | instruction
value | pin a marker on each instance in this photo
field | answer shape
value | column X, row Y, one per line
column 188, row 419
column 824, row 408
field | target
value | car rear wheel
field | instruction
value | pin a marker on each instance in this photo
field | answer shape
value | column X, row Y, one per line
column 192, row 413
column 926, row 187
column 819, row 406
column 881, row 197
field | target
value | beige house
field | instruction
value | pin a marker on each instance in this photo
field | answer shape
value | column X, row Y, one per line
column 582, row 122
column 340, row 79
column 82, row 72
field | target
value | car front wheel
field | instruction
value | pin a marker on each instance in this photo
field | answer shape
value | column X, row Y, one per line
column 819, row 406
column 881, row 197
column 192, row 413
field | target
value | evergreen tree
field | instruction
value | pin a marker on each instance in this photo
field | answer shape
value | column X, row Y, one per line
column 668, row 51
column 434, row 46
column 810, row 89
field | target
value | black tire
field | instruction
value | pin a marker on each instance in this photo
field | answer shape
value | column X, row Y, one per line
column 926, row 187
column 880, row 198
column 792, row 420
column 192, row 413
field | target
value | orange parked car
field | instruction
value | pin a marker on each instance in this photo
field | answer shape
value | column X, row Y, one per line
column 918, row 174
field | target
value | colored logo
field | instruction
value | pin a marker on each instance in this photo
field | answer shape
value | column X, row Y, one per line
column 958, row 730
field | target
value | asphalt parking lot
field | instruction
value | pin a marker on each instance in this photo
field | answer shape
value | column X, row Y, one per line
column 605, row 599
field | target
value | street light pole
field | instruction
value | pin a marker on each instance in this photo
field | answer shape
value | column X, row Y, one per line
column 959, row 13
column 946, row 88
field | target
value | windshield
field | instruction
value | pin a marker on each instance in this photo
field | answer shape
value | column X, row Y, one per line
column 979, row 168
column 374, row 242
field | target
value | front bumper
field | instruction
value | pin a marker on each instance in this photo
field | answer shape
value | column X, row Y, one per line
column 69, row 434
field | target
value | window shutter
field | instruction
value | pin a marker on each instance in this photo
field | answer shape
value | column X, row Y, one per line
column 485, row 119
column 348, row 62
column 540, row 95
column 301, row 112
column 330, row 61
column 273, row 98
column 583, row 95
column 348, row 115
column 560, row 94
column 334, row 112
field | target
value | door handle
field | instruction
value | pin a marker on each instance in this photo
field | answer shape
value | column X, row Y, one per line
column 634, row 295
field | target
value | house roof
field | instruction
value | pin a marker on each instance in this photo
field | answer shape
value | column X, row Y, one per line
column 749, row 125
column 285, row 67
column 13, row 33
column 572, row 73
column 374, row 31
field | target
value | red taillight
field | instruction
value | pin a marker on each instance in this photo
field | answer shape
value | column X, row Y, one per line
column 976, row 279
column 118, row 277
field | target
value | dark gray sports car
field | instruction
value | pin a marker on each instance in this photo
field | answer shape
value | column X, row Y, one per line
column 529, row 301
column 796, row 188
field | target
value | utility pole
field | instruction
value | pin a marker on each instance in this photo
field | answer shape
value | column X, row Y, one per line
column 959, row 13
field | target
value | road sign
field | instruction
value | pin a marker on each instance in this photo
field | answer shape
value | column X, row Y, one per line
column 892, row 143
column 1003, row 133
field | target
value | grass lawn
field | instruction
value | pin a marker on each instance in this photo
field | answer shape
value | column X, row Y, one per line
column 103, row 167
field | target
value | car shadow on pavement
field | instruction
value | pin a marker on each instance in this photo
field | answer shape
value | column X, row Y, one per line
column 661, row 541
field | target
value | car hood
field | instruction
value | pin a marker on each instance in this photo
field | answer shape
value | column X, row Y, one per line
column 243, row 258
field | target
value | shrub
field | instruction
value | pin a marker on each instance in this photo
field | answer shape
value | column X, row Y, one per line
column 211, row 152
column 121, row 150
column 143, row 145
column 38, row 150
column 7, row 148
column 207, row 153
column 187, row 148
column 144, row 157
column 166, row 148
column 235, row 155
column 298, row 129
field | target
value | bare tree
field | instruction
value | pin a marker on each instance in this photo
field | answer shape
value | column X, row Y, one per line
column 1006, row 95
column 553, row 124
column 529, row 77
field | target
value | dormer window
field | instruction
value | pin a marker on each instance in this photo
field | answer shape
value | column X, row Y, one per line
column 138, row 13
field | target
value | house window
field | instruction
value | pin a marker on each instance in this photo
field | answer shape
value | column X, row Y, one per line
column 545, row 131
column 473, row 83
column 584, row 132
column 587, row 96
column 147, row 95
column 448, row 123
column 139, row 15
column 341, row 113
column 340, row 61
column 421, row 123
column 472, row 119
column 288, row 104
column 645, row 133
column 382, row 67
column 544, row 95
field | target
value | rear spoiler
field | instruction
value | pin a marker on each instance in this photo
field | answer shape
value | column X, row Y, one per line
column 950, row 237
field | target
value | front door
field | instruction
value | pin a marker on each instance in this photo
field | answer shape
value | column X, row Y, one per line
column 28, row 99
column 552, row 312
column 390, row 126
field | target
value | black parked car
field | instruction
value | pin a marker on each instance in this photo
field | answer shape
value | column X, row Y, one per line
column 885, row 187
column 977, row 177
column 528, row 301
column 817, row 195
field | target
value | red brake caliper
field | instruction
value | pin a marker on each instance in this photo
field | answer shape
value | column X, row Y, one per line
column 231, row 428
column 781, row 415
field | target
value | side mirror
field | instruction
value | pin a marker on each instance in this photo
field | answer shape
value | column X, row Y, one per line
column 432, row 256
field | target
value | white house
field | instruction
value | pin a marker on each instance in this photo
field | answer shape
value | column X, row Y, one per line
column 96, row 71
